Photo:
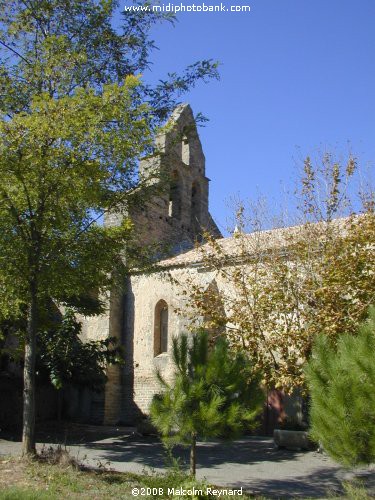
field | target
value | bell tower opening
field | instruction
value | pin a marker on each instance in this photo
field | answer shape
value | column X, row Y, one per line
column 175, row 215
column 185, row 150
column 196, row 205
column 174, row 209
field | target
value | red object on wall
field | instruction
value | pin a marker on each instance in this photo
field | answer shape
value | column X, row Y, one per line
column 274, row 413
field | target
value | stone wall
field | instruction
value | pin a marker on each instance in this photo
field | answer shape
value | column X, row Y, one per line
column 175, row 218
column 147, row 291
column 11, row 390
column 180, row 166
column 169, row 286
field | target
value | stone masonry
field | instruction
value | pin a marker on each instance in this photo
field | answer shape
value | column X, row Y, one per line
column 174, row 218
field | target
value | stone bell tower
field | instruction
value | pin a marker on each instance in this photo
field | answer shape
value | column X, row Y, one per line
column 179, row 214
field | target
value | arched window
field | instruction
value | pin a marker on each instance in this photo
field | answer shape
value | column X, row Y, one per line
column 161, row 328
column 175, row 196
column 196, row 205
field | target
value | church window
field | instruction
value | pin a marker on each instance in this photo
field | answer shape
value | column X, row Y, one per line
column 161, row 328
column 195, row 204
column 175, row 196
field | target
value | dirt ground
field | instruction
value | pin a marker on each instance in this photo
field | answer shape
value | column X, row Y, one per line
column 252, row 463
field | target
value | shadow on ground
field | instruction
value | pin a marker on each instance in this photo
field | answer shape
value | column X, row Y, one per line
column 67, row 433
column 251, row 462
column 234, row 464
column 321, row 483
column 150, row 452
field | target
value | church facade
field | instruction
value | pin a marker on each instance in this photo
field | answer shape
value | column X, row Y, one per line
column 142, row 316
column 146, row 314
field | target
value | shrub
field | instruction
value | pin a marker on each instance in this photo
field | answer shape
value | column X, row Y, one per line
column 215, row 392
column 342, row 385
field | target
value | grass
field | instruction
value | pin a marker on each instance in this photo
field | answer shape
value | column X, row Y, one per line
column 356, row 491
column 57, row 479
column 55, row 475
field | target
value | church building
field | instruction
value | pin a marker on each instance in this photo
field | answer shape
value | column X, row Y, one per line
column 146, row 314
column 143, row 315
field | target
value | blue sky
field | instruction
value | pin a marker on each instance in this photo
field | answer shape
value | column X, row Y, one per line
column 296, row 76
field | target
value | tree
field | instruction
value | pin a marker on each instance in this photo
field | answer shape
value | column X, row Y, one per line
column 341, row 381
column 279, row 288
column 74, row 122
column 213, row 393
column 59, row 163
column 55, row 47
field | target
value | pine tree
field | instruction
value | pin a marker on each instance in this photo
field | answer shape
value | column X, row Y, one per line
column 214, row 393
column 341, row 383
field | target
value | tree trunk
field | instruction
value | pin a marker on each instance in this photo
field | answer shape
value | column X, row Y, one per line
column 59, row 404
column 28, row 431
column 193, row 454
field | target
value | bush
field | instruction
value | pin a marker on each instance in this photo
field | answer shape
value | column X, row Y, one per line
column 341, row 380
column 215, row 393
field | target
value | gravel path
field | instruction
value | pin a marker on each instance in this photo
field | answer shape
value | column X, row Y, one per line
column 252, row 462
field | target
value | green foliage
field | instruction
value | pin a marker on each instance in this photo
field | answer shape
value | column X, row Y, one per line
column 60, row 164
column 54, row 47
column 341, row 382
column 69, row 360
column 356, row 490
column 74, row 121
column 213, row 393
